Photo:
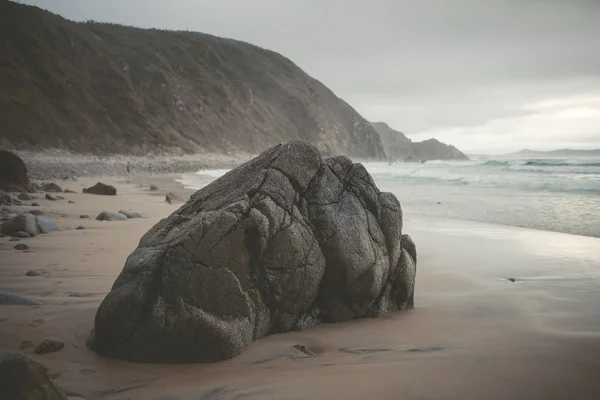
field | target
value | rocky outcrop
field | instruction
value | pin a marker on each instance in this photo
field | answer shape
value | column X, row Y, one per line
column 119, row 89
column 101, row 189
column 283, row 242
column 21, row 378
column 13, row 173
column 400, row 148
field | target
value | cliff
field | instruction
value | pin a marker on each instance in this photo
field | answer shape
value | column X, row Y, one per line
column 398, row 147
column 102, row 88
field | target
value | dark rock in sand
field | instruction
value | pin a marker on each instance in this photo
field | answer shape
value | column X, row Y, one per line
column 24, row 379
column 22, row 235
column 130, row 214
column 49, row 346
column 21, row 246
column 35, row 204
column 36, row 212
column 283, row 242
column 71, row 202
column 69, row 191
column 80, row 228
column 25, row 196
column 173, row 198
column 84, row 216
column 153, row 188
column 13, row 173
column 512, row 279
column 33, row 272
column 51, row 197
column 20, row 223
column 51, row 188
column 45, row 224
column 111, row 216
column 9, row 199
column 15, row 299
column 26, row 344
column 76, row 294
column 101, row 189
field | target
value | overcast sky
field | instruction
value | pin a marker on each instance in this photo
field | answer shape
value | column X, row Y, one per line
column 485, row 75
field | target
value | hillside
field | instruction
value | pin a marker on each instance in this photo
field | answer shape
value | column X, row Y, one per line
column 103, row 88
column 398, row 147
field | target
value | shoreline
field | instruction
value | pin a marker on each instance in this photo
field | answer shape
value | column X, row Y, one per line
column 472, row 334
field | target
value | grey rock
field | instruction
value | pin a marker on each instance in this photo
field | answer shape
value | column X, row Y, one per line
column 71, row 202
column 173, row 198
column 21, row 246
column 283, row 242
column 153, row 188
column 130, row 214
column 36, row 212
column 25, row 196
column 49, row 346
column 45, row 224
column 51, row 197
column 80, row 228
column 23, row 222
column 33, row 272
column 22, row 235
column 111, row 216
column 15, row 299
column 51, row 188
column 76, row 294
column 69, row 191
column 35, row 204
column 84, row 216
column 9, row 199
column 24, row 379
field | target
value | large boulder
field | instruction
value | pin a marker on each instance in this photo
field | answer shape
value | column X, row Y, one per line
column 280, row 243
column 21, row 378
column 101, row 189
column 13, row 173
column 29, row 223
column 51, row 187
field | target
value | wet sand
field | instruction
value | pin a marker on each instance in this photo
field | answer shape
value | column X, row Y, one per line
column 472, row 335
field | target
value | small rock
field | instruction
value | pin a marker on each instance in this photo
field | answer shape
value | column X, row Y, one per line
column 101, row 189
column 172, row 198
column 49, row 346
column 80, row 228
column 51, row 197
column 36, row 212
column 35, row 204
column 71, row 202
column 15, row 299
column 21, row 246
column 304, row 349
column 512, row 279
column 76, row 294
column 130, row 214
column 24, row 196
column 84, row 216
column 69, row 191
column 51, row 187
column 153, row 188
column 22, row 235
column 111, row 216
column 33, row 272
column 26, row 344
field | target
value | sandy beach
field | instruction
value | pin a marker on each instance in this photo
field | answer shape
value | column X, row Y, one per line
column 473, row 334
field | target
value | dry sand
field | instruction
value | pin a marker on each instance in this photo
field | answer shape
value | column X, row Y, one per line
column 472, row 335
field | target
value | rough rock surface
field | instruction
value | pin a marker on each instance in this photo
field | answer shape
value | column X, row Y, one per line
column 49, row 346
column 280, row 243
column 15, row 299
column 28, row 223
column 111, row 216
column 9, row 199
column 173, row 198
column 101, row 189
column 51, row 188
column 13, row 173
column 45, row 224
column 21, row 378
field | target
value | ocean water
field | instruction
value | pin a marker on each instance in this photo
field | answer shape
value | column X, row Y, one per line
column 561, row 195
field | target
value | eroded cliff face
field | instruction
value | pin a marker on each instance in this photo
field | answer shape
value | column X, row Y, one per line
column 400, row 148
column 283, row 242
column 92, row 87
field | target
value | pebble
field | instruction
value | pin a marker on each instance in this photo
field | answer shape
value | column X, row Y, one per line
column 22, row 235
column 71, row 202
column 51, row 197
column 21, row 246
column 36, row 212
column 33, row 272
column 84, row 216
column 49, row 346
column 76, row 294
column 35, row 204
